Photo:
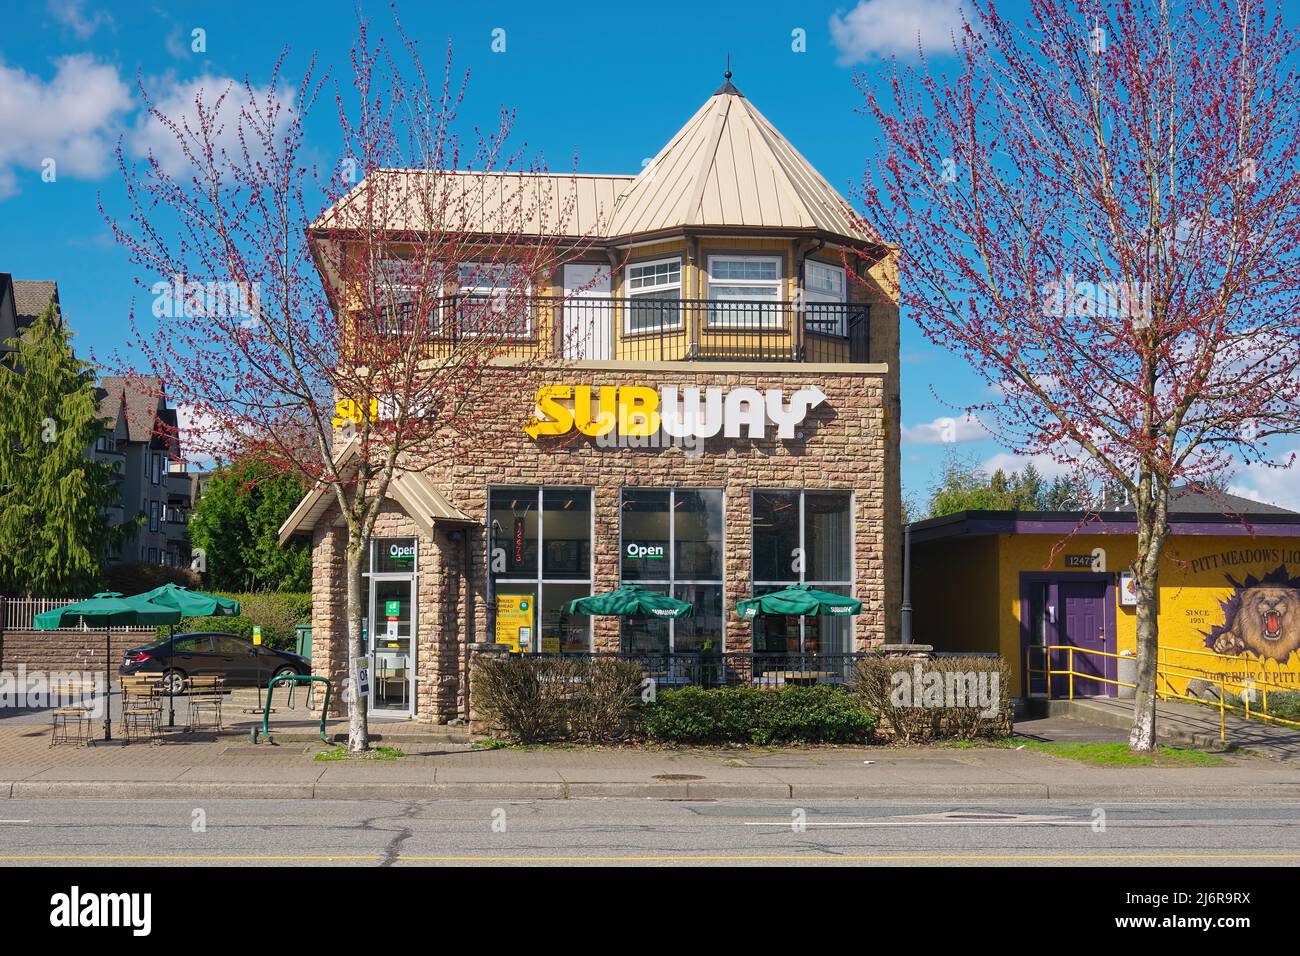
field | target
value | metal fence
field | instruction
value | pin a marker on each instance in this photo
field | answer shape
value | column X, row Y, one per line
column 642, row 329
column 18, row 614
column 755, row 668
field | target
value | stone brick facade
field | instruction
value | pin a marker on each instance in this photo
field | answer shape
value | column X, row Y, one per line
column 847, row 443
column 68, row 650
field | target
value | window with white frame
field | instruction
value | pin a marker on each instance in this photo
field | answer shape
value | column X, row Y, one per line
column 745, row 291
column 494, row 299
column 655, row 292
column 825, row 290
column 398, row 283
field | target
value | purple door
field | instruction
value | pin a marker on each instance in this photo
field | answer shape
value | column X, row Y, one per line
column 1083, row 625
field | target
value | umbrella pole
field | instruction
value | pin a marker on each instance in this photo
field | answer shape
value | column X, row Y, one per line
column 171, row 663
column 108, row 682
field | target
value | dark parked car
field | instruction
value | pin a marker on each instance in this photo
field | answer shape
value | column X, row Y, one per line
column 198, row 654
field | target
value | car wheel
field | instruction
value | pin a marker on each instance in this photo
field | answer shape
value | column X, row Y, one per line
column 284, row 671
column 174, row 682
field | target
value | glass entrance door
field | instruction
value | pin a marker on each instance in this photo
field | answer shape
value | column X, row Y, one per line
column 392, row 645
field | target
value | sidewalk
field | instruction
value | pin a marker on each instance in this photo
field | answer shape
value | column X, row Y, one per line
column 228, row 767
column 1187, row 725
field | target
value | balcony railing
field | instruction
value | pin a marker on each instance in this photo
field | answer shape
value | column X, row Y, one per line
column 643, row 329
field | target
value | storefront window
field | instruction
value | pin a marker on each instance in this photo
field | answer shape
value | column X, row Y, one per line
column 803, row 537
column 394, row 555
column 671, row 542
column 776, row 535
column 555, row 524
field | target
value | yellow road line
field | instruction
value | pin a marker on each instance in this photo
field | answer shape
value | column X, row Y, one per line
column 684, row 858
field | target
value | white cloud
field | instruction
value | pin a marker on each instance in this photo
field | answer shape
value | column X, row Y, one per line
column 179, row 102
column 945, row 431
column 71, row 119
column 1045, row 465
column 884, row 28
column 1273, row 486
column 72, row 14
column 200, row 432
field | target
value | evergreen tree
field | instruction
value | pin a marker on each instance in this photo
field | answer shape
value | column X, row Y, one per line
column 237, row 524
column 54, row 535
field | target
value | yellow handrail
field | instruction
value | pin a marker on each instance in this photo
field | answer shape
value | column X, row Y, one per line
column 1164, row 685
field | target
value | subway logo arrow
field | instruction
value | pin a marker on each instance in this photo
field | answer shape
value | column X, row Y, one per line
column 642, row 411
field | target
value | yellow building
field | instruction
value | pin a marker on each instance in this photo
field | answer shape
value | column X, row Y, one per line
column 1038, row 588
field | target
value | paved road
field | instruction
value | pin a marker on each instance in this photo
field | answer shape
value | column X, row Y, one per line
column 646, row 832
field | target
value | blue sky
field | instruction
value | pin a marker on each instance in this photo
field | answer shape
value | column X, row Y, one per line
column 609, row 82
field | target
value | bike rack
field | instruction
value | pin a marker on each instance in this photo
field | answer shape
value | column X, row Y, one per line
column 294, row 681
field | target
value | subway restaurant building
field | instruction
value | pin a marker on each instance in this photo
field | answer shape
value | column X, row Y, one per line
column 720, row 420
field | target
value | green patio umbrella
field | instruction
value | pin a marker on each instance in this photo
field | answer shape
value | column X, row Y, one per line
column 190, row 604
column 107, row 609
column 799, row 600
column 631, row 601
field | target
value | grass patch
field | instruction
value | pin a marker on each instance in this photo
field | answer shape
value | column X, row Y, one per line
column 375, row 753
column 1118, row 754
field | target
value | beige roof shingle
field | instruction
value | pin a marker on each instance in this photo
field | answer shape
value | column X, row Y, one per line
column 31, row 296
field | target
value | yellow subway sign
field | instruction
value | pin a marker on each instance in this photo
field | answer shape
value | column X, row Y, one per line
column 639, row 411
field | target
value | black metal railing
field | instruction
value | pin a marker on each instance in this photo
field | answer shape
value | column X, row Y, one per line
column 730, row 668
column 643, row 329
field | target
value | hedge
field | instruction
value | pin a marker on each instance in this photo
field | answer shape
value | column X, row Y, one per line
column 820, row 714
column 276, row 611
column 918, row 700
column 538, row 699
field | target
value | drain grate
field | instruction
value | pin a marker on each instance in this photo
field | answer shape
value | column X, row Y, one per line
column 678, row 776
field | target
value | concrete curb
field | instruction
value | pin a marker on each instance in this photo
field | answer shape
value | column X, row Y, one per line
column 660, row 790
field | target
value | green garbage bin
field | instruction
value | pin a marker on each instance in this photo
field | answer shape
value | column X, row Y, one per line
column 302, row 638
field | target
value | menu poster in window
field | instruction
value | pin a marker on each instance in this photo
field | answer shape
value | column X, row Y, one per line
column 514, row 621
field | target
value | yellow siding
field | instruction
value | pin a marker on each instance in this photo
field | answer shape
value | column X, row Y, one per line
column 1194, row 580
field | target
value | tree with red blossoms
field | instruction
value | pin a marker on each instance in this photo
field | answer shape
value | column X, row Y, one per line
column 1099, row 209
column 341, row 345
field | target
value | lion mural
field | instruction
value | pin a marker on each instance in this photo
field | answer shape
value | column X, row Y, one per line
column 1262, row 618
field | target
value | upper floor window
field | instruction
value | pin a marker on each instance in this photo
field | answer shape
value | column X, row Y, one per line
column 494, row 299
column 155, row 475
column 825, row 289
column 655, row 291
column 745, row 291
column 398, row 284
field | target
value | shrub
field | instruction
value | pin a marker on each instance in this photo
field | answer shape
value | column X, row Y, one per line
column 276, row 611
column 538, row 699
column 889, row 688
column 818, row 714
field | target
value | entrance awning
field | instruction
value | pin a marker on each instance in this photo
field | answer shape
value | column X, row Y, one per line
column 419, row 497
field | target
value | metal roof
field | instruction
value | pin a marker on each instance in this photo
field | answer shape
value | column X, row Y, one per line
column 728, row 167
column 551, row 204
column 419, row 497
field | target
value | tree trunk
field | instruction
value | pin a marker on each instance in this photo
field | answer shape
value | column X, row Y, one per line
column 358, row 727
column 1153, row 528
column 1142, row 737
